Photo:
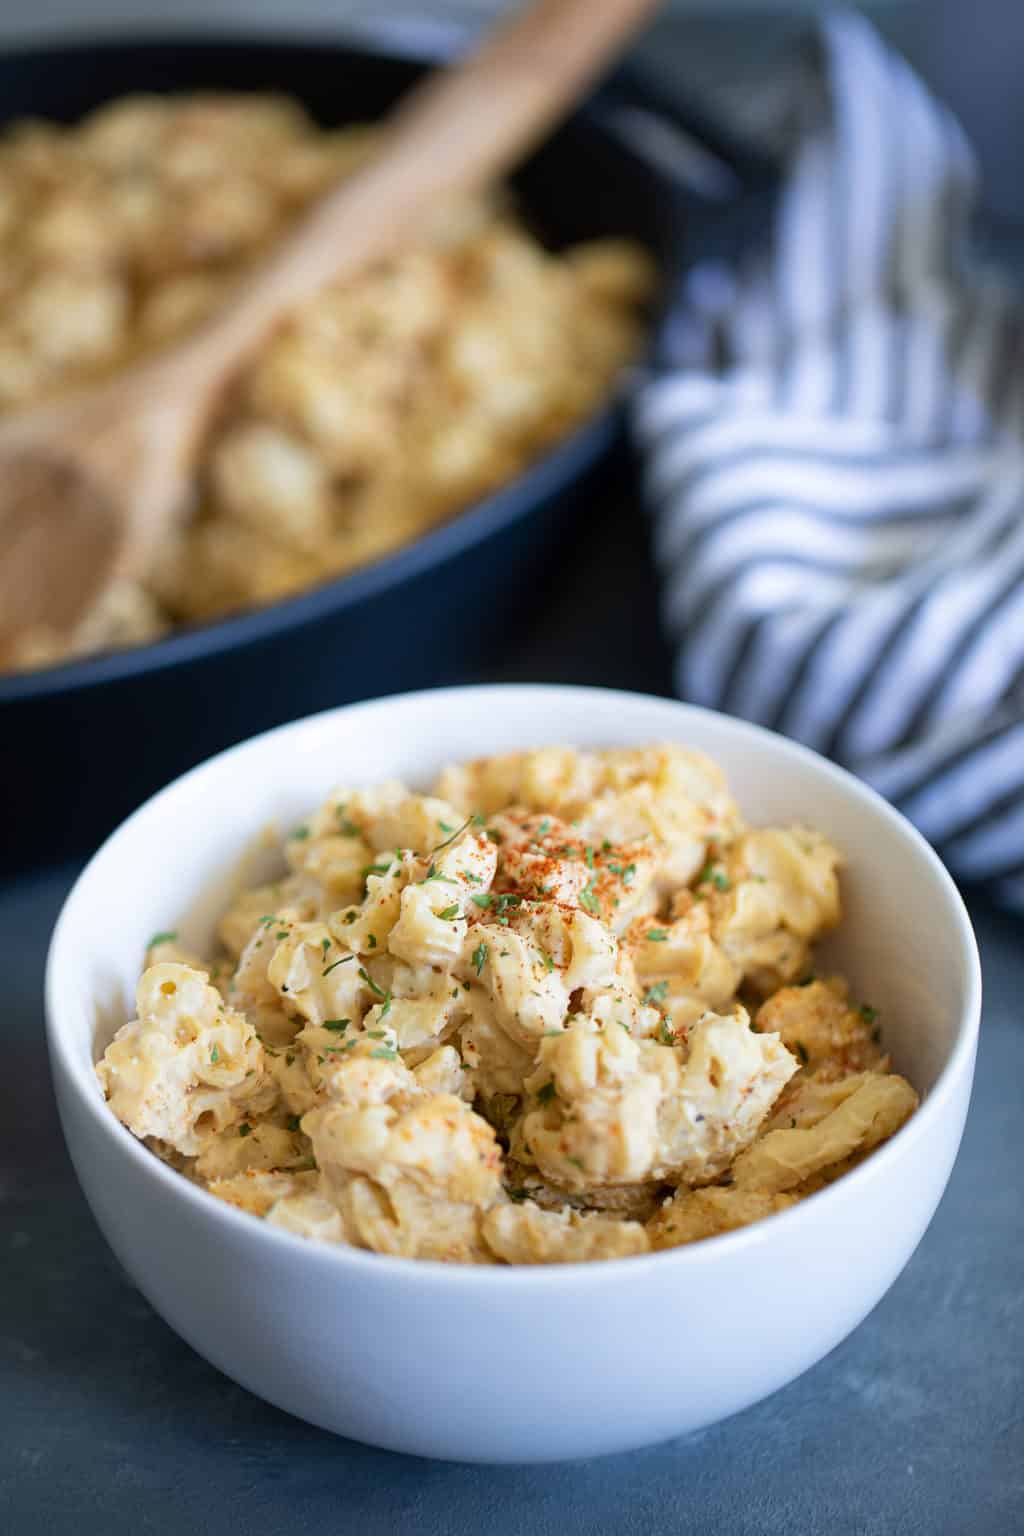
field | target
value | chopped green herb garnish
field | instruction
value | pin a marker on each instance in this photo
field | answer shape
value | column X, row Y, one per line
column 245, row 1128
column 364, row 975
column 547, row 1092
column 282, row 933
column 479, row 956
column 470, row 821
column 629, row 874
column 347, row 828
column 337, row 1026
column 483, row 902
column 298, row 834
column 544, row 828
column 606, row 845
column 289, row 1058
column 334, row 965
column 449, row 912
column 384, row 1053
column 577, row 1161
column 716, row 877
column 377, row 869
column 215, row 1053
column 665, row 1034
column 549, row 964
column 167, row 937
column 293, row 1122
column 588, row 899
column 371, row 941
column 657, row 935
column 325, row 945
column 377, row 1034
column 445, row 827
column 867, row 1013
column 656, row 993
column 588, row 854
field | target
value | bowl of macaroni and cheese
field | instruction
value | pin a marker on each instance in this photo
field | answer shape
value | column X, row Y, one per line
column 589, row 1043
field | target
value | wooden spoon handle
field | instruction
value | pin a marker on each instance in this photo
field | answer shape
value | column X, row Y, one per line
column 455, row 132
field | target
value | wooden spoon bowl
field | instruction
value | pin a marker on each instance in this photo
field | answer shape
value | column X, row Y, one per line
column 89, row 487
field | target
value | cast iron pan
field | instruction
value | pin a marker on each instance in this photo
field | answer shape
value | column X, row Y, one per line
column 81, row 745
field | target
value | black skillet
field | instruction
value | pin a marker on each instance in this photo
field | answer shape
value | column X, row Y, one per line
column 82, row 744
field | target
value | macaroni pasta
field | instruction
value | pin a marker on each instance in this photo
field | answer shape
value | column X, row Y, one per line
column 560, row 1010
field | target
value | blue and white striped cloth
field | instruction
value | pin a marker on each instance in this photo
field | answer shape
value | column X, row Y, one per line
column 834, row 446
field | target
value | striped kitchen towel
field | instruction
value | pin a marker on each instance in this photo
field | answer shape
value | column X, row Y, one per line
column 834, row 446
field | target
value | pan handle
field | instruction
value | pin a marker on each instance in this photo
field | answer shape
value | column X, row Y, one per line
column 687, row 144
column 684, row 140
column 725, row 188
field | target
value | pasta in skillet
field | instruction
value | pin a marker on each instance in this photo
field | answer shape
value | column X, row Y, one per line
column 383, row 407
column 559, row 1010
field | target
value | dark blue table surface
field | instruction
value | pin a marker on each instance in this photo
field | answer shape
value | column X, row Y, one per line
column 110, row 1424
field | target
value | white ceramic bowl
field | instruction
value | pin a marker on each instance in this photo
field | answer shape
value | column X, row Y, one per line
column 526, row 1364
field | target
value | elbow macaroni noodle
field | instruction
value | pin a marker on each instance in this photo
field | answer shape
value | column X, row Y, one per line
column 384, row 406
column 561, row 1010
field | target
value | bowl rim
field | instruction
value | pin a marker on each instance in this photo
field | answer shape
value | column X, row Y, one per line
column 688, row 1257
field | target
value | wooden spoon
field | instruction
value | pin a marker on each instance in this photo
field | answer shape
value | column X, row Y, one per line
column 91, row 484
